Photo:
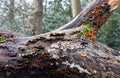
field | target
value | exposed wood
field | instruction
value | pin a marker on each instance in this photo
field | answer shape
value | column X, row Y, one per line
column 61, row 54
column 114, row 4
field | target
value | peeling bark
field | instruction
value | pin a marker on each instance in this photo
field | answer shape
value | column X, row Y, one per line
column 60, row 54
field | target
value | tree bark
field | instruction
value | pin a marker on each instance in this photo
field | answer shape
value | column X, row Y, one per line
column 61, row 53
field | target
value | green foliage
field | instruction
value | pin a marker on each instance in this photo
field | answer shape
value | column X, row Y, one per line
column 18, row 22
column 84, row 3
column 56, row 13
column 2, row 39
column 110, row 32
column 86, row 28
column 81, row 34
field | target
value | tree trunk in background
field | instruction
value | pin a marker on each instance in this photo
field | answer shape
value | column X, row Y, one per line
column 38, row 17
column 11, row 12
column 35, row 20
column 76, row 7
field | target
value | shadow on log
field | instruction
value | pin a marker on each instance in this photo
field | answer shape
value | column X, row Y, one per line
column 61, row 53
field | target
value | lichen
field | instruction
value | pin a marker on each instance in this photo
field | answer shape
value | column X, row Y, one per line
column 73, row 65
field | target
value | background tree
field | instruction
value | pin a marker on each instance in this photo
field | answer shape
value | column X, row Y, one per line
column 11, row 14
column 76, row 7
column 35, row 18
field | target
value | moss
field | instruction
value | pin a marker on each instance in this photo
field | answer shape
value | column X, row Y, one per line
column 2, row 39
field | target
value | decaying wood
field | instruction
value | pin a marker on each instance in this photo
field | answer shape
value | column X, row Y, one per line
column 60, row 53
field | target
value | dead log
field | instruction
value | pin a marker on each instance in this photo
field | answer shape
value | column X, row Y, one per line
column 61, row 53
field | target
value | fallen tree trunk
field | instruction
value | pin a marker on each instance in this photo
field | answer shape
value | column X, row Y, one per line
column 61, row 53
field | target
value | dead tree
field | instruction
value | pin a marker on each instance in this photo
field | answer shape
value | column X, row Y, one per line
column 61, row 53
